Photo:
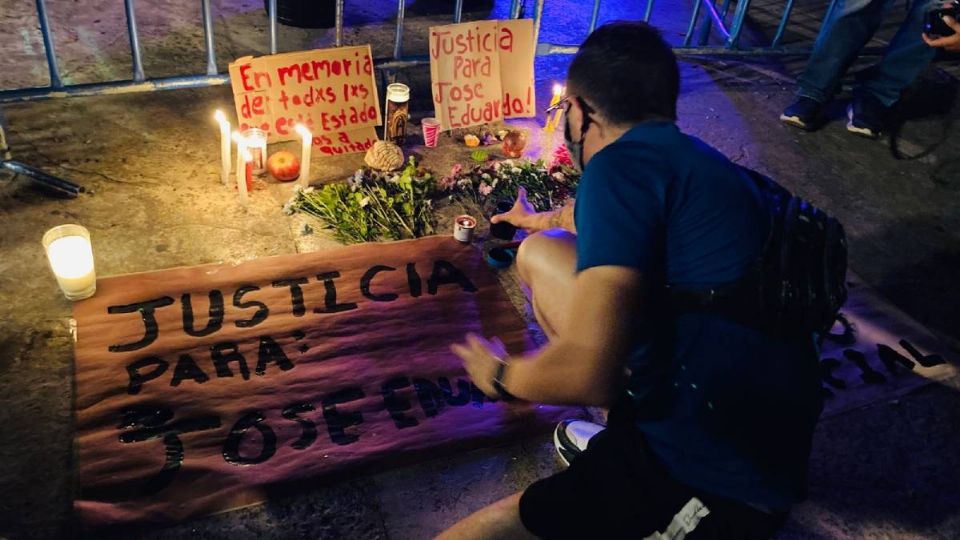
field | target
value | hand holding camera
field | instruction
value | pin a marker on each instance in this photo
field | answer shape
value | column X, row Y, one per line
column 941, row 29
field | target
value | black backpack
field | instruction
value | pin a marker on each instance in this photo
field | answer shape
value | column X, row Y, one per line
column 797, row 286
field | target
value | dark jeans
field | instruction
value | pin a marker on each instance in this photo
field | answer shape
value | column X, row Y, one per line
column 847, row 30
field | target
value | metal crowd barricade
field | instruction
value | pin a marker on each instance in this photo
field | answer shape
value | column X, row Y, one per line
column 714, row 20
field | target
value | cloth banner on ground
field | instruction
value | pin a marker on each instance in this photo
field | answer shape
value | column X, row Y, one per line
column 206, row 388
column 875, row 351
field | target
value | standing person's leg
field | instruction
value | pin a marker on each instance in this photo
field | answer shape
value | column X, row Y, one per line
column 850, row 27
column 547, row 262
column 904, row 60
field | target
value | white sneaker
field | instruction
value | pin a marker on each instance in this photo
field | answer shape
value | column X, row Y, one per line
column 572, row 436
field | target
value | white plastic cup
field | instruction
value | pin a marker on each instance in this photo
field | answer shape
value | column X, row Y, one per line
column 431, row 131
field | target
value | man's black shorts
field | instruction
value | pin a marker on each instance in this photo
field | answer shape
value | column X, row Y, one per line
column 616, row 489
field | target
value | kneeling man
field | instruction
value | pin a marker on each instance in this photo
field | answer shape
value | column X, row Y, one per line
column 710, row 420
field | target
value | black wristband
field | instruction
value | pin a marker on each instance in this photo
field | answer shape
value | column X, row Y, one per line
column 497, row 382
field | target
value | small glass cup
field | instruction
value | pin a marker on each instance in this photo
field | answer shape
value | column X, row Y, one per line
column 255, row 140
column 70, row 255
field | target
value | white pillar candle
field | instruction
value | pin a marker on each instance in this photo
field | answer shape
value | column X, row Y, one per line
column 71, row 259
column 241, row 146
column 224, row 146
column 306, row 146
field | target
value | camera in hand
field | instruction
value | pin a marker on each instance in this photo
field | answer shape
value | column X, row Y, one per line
column 933, row 24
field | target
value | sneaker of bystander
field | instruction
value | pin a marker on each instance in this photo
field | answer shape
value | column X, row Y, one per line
column 805, row 113
column 866, row 116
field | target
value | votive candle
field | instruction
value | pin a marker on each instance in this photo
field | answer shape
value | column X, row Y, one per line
column 70, row 255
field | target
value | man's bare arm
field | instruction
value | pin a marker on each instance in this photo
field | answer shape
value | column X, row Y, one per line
column 584, row 365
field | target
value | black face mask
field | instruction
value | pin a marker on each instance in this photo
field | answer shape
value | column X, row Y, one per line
column 575, row 148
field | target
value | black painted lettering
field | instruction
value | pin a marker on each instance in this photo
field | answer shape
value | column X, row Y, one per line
column 368, row 277
column 395, row 404
column 433, row 397
column 296, row 293
column 929, row 360
column 188, row 369
column 848, row 336
column 150, row 423
column 214, row 320
column 337, row 420
column 894, row 361
column 463, row 392
column 271, row 353
column 413, row 281
column 827, row 365
column 223, row 354
column 268, row 440
column 136, row 375
column 867, row 373
column 330, row 304
column 262, row 309
column 429, row 396
column 478, row 396
column 445, row 273
column 308, row 429
column 151, row 330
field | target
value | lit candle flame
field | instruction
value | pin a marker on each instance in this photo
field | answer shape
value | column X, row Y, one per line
column 220, row 117
column 237, row 137
column 303, row 131
column 557, row 90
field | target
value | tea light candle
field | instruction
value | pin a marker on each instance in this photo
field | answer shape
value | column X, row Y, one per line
column 307, row 138
column 224, row 146
column 71, row 258
column 463, row 227
column 255, row 140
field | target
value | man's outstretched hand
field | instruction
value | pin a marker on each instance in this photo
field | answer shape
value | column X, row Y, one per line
column 521, row 213
column 949, row 43
column 481, row 357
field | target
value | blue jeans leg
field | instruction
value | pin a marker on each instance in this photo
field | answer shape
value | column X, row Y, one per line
column 850, row 26
column 904, row 60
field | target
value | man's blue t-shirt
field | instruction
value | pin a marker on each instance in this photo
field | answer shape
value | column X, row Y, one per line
column 731, row 411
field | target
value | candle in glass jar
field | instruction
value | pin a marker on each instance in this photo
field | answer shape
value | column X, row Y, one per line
column 224, row 146
column 71, row 258
column 398, row 111
column 307, row 143
column 255, row 140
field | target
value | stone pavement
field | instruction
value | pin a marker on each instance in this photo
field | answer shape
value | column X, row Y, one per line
column 150, row 162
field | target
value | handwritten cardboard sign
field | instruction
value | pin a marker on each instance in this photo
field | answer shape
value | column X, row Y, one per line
column 331, row 91
column 201, row 389
column 482, row 72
